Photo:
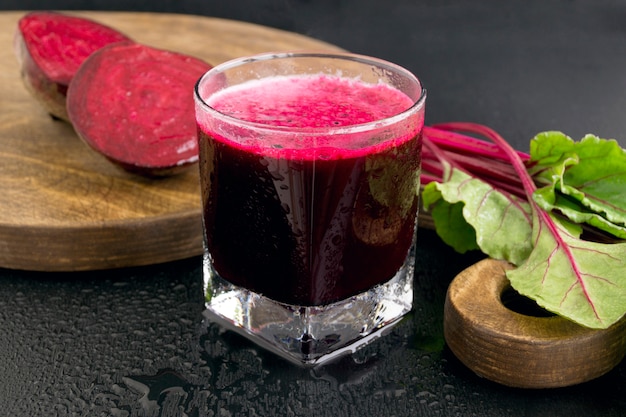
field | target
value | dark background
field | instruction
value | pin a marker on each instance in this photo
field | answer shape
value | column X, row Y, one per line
column 133, row 342
column 518, row 66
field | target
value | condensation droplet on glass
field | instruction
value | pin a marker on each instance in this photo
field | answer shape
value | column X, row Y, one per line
column 277, row 176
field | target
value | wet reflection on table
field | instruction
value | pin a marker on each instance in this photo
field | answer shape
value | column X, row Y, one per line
column 136, row 343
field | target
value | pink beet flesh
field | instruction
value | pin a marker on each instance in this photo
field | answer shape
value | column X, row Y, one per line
column 134, row 104
column 59, row 43
column 51, row 47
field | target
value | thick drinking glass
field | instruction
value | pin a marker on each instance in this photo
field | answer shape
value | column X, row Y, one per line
column 309, row 169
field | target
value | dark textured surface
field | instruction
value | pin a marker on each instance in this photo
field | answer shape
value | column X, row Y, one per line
column 134, row 342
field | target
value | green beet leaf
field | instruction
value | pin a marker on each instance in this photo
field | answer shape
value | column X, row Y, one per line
column 583, row 180
column 580, row 280
column 449, row 222
column 388, row 170
column 501, row 223
column 550, row 200
column 579, row 182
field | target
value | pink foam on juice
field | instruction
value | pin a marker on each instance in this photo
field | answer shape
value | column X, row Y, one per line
column 302, row 214
column 310, row 102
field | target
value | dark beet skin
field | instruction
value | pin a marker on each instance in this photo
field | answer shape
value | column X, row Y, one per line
column 134, row 104
column 50, row 47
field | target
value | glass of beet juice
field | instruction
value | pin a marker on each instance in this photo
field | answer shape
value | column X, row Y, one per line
column 309, row 168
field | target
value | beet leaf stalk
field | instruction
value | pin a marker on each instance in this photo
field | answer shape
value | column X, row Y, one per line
column 574, row 278
column 476, row 157
column 474, row 196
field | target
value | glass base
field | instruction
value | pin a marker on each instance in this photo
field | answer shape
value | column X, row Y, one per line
column 309, row 335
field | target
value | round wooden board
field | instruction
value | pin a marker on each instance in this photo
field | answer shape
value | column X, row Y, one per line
column 62, row 206
column 527, row 349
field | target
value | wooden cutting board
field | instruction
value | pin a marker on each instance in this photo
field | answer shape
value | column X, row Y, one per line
column 62, row 206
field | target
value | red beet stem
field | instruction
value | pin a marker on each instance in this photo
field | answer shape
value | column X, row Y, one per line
column 477, row 157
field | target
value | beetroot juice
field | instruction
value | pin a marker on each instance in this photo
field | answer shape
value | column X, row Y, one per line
column 297, row 209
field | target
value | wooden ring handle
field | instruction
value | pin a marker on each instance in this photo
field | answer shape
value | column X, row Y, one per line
column 519, row 350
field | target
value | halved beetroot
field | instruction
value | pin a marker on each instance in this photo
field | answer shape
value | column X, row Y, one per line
column 134, row 104
column 50, row 47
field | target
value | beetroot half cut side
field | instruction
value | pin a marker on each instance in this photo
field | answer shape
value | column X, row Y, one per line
column 134, row 104
column 50, row 47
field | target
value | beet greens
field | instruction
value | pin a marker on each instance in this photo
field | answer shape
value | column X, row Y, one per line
column 485, row 196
